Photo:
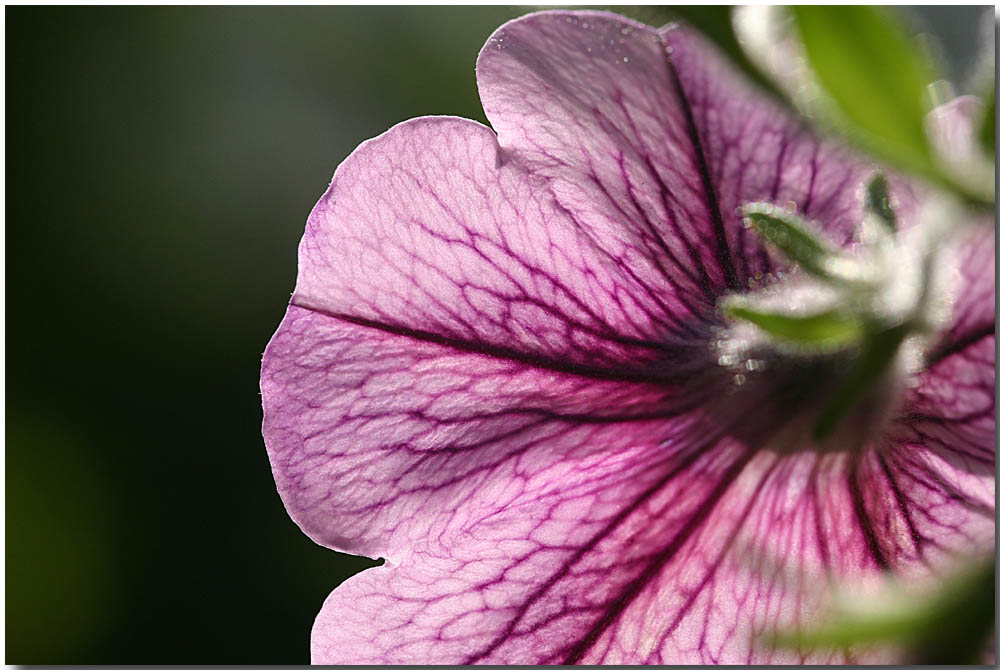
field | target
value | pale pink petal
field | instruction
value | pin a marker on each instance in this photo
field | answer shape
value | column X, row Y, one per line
column 497, row 371
column 943, row 458
column 426, row 227
column 652, row 141
column 382, row 443
column 626, row 569
column 452, row 327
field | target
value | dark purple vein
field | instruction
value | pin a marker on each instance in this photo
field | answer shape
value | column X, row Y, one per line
column 504, row 353
column 861, row 512
column 725, row 257
column 956, row 346
column 635, row 587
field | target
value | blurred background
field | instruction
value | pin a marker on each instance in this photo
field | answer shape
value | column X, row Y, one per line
column 161, row 163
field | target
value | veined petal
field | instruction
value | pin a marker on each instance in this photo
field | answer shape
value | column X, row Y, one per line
column 651, row 141
column 951, row 406
column 939, row 456
column 678, row 563
column 587, row 100
column 497, row 372
column 450, row 326
column 756, row 150
column 953, row 131
column 382, row 443
column 426, row 228
column 934, row 505
column 973, row 290
column 508, row 589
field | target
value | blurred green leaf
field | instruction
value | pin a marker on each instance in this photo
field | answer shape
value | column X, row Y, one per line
column 832, row 327
column 947, row 625
column 793, row 236
column 878, row 201
column 877, row 353
column 987, row 133
column 875, row 75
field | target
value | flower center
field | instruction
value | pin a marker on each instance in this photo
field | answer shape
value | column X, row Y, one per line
column 825, row 350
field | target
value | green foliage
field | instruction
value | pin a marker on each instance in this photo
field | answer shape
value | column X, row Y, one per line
column 874, row 74
column 948, row 625
column 878, row 352
column 793, row 236
column 878, row 201
column 829, row 328
column 987, row 132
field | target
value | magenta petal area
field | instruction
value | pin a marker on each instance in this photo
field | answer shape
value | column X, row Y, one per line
column 652, row 141
column 452, row 330
column 497, row 372
column 951, row 408
column 383, row 443
column 942, row 458
column 679, row 560
column 427, row 228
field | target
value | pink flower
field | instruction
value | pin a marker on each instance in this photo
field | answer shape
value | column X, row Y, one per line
column 500, row 371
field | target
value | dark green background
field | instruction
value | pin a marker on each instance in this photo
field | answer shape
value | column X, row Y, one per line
column 160, row 165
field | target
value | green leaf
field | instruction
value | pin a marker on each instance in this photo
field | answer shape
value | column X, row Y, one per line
column 846, row 631
column 987, row 133
column 878, row 201
column 877, row 353
column 875, row 75
column 963, row 616
column 793, row 236
column 831, row 328
column 948, row 625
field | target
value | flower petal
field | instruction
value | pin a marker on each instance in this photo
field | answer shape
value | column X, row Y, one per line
column 953, row 131
column 951, row 406
column 942, row 462
column 974, row 290
column 425, row 228
column 494, row 374
column 676, row 564
column 651, row 141
column 382, row 443
column 933, row 505
column 451, row 326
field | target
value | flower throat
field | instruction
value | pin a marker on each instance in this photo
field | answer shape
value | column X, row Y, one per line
column 839, row 335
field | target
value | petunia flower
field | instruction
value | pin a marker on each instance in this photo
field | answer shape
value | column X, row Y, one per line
column 504, row 369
